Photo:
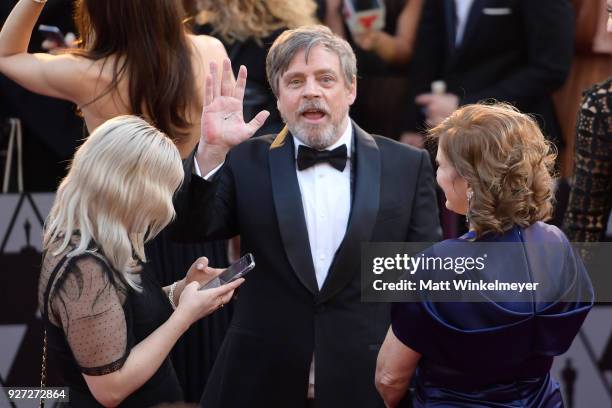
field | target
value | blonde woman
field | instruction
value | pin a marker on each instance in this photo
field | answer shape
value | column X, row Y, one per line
column 109, row 325
column 497, row 350
column 247, row 29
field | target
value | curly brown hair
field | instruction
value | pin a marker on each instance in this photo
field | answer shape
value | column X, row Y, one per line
column 239, row 20
column 505, row 160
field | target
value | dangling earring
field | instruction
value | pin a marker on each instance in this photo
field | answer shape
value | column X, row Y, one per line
column 470, row 193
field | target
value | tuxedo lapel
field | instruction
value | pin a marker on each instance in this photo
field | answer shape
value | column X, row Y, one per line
column 450, row 20
column 290, row 212
column 362, row 218
column 472, row 24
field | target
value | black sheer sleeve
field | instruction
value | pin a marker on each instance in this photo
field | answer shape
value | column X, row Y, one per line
column 87, row 304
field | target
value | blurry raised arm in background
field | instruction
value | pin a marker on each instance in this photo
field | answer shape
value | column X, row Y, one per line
column 397, row 48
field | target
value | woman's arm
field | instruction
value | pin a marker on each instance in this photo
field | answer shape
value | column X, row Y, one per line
column 333, row 17
column 396, row 49
column 395, row 366
column 45, row 74
column 17, row 28
column 147, row 356
column 405, row 33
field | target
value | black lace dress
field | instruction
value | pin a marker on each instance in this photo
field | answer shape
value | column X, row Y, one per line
column 93, row 321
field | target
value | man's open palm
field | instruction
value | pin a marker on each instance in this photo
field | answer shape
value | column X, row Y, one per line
column 223, row 125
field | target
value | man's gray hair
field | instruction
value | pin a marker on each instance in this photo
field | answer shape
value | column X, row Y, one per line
column 291, row 42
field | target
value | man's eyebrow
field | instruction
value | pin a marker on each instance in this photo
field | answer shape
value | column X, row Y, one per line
column 317, row 72
column 292, row 74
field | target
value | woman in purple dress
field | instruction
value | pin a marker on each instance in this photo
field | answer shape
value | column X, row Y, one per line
column 496, row 349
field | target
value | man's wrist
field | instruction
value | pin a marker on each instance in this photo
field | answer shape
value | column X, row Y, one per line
column 209, row 157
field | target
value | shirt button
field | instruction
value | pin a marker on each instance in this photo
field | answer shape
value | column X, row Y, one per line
column 321, row 176
column 322, row 257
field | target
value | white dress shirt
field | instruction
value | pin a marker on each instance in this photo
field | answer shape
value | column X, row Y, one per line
column 326, row 198
column 463, row 8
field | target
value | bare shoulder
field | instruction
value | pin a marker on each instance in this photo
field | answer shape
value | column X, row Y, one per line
column 208, row 47
column 91, row 75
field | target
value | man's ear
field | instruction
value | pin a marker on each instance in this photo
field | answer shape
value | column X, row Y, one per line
column 353, row 90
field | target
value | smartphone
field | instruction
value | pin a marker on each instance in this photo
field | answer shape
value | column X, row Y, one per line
column 52, row 33
column 236, row 270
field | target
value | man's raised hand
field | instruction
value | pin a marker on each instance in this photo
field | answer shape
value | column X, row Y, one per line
column 223, row 125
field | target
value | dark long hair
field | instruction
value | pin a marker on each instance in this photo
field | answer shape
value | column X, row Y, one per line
column 152, row 49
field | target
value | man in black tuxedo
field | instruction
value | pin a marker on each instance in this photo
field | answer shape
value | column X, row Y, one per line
column 516, row 51
column 302, row 201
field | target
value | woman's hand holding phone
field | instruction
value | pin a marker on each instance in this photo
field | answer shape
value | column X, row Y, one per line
column 194, row 304
column 200, row 272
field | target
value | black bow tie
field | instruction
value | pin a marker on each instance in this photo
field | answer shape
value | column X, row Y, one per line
column 308, row 157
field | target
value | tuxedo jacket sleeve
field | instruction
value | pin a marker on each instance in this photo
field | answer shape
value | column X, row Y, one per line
column 205, row 210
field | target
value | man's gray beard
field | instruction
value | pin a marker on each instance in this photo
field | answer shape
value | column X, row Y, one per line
column 314, row 136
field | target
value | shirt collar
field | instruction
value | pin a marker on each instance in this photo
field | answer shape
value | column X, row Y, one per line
column 345, row 139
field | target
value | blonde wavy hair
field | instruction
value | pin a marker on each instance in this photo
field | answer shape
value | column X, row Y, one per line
column 117, row 194
column 506, row 161
column 239, row 20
